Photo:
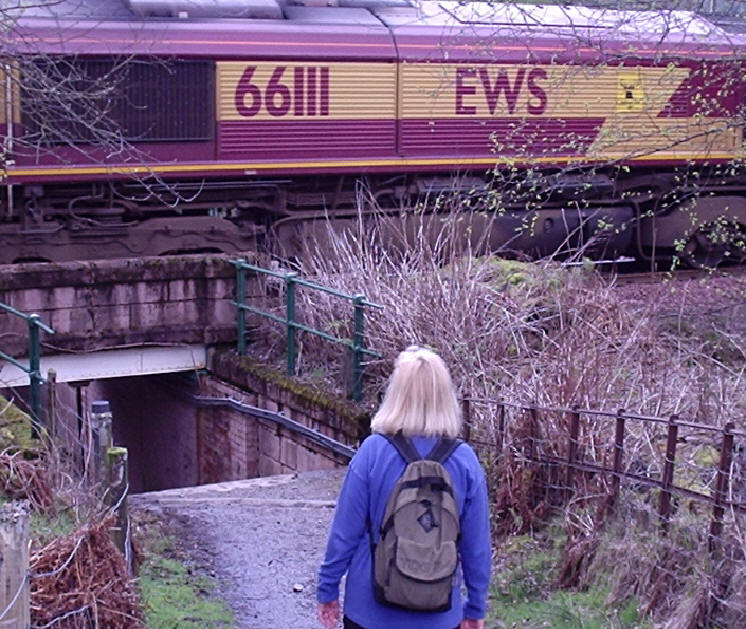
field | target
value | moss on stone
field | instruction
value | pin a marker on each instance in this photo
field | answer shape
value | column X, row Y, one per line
column 15, row 427
column 309, row 395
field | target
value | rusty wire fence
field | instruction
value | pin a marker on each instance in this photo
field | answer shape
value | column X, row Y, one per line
column 662, row 498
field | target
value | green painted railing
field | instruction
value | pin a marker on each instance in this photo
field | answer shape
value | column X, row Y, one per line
column 292, row 281
column 34, row 351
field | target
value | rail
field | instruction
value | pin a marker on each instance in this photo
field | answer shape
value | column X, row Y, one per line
column 35, row 326
column 356, row 344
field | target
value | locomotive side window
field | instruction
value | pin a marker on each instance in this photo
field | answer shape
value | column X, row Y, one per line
column 143, row 100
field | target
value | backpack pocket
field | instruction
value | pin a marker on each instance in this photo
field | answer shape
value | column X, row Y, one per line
column 423, row 562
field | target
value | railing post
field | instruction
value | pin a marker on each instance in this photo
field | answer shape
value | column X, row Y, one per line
column 618, row 455
column 358, row 339
column 466, row 417
column 667, row 480
column 500, row 433
column 572, row 450
column 241, row 316
column 34, row 352
column 721, row 486
column 290, row 320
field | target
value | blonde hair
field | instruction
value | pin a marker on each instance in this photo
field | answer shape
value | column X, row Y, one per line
column 420, row 398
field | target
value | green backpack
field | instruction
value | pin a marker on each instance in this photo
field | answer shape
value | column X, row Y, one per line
column 416, row 557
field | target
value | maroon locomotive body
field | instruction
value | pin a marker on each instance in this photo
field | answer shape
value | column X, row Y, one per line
column 199, row 133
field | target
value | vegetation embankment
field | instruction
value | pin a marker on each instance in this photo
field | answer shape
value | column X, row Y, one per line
column 551, row 337
column 78, row 577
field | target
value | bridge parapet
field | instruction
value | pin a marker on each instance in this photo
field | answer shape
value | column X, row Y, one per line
column 104, row 304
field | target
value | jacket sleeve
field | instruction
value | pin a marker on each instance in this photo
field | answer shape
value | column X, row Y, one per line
column 475, row 546
column 348, row 528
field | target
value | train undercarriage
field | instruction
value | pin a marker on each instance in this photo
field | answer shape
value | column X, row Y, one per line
column 651, row 216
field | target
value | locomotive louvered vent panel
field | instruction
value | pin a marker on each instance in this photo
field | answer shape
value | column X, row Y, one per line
column 142, row 100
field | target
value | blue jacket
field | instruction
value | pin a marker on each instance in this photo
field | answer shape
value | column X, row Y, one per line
column 372, row 474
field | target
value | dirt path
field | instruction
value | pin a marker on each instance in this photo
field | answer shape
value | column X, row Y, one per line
column 262, row 539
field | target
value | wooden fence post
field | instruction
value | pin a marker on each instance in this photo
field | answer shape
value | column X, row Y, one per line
column 721, row 486
column 101, row 428
column 52, row 404
column 15, row 611
column 116, row 499
column 572, row 451
column 664, row 511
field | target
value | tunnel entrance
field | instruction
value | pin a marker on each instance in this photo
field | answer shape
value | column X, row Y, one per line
column 181, row 430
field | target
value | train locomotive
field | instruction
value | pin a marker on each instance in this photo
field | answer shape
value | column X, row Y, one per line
column 206, row 126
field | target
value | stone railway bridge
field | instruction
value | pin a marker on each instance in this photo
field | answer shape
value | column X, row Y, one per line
column 155, row 337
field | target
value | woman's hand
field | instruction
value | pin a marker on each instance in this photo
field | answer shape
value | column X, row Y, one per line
column 471, row 623
column 328, row 614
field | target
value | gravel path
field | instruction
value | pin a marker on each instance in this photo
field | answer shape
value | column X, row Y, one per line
column 262, row 539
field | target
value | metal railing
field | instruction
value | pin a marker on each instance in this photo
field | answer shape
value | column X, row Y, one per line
column 356, row 344
column 35, row 325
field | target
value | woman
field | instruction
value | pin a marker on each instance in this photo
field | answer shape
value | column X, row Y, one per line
column 420, row 402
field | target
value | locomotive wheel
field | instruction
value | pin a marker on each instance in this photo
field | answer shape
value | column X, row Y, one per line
column 714, row 244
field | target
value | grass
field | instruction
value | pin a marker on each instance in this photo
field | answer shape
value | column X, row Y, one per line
column 173, row 596
column 523, row 594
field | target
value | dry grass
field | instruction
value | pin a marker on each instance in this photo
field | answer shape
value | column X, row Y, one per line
column 538, row 333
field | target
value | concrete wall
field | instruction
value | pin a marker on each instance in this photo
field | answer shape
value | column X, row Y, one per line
column 108, row 303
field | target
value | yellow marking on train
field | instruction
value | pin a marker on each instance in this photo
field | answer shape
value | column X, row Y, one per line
column 445, row 161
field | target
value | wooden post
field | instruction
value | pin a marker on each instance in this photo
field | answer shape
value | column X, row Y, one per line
column 667, row 480
column 52, row 404
column 101, row 428
column 15, row 611
column 116, row 499
column 572, row 451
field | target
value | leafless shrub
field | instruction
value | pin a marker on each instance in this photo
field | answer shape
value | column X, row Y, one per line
column 539, row 334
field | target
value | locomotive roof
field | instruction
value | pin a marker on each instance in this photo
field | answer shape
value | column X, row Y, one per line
column 447, row 26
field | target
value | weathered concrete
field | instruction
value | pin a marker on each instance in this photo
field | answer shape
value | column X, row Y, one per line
column 109, row 303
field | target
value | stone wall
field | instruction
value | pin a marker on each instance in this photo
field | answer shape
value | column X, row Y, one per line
column 234, row 445
column 108, row 303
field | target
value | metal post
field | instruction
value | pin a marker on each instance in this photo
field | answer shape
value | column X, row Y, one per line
column 357, row 347
column 241, row 317
column 721, row 486
column 466, row 417
column 290, row 320
column 618, row 454
column 667, row 480
column 34, row 351
column 500, row 433
column 572, row 451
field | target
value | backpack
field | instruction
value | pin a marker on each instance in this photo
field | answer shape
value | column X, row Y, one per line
column 416, row 558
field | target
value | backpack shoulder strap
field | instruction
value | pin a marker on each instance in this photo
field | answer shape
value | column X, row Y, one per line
column 443, row 449
column 404, row 447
